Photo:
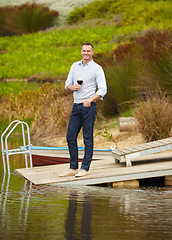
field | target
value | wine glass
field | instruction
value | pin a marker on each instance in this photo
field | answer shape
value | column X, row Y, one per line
column 80, row 82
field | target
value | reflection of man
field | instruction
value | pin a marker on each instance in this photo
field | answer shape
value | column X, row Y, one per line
column 84, row 108
column 71, row 215
column 71, row 218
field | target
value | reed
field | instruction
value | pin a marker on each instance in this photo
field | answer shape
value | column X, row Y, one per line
column 135, row 68
column 46, row 109
column 154, row 117
column 26, row 18
column 46, row 102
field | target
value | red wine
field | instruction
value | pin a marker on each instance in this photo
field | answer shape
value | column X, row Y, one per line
column 79, row 82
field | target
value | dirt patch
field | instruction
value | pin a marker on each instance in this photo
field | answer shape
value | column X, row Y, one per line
column 106, row 136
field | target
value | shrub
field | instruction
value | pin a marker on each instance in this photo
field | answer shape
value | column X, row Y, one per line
column 132, row 11
column 95, row 9
column 76, row 15
column 28, row 18
column 141, row 66
column 3, row 16
column 147, row 12
column 121, row 81
column 154, row 117
column 48, row 108
column 153, row 75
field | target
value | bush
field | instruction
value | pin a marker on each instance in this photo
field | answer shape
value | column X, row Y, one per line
column 121, row 81
column 27, row 18
column 3, row 16
column 149, row 12
column 141, row 66
column 76, row 15
column 154, row 117
column 47, row 107
column 132, row 11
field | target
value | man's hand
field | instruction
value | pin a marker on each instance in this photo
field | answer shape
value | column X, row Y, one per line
column 74, row 87
column 87, row 103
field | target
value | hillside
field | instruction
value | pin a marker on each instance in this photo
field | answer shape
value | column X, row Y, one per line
column 51, row 52
column 132, row 42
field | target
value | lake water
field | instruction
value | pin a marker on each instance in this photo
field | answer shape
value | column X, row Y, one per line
column 43, row 212
column 64, row 7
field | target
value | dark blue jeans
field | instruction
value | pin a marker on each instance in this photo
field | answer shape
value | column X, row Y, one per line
column 81, row 117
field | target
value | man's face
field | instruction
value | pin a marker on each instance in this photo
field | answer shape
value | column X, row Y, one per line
column 87, row 52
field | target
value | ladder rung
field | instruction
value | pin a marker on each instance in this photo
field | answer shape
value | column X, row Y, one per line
column 15, row 150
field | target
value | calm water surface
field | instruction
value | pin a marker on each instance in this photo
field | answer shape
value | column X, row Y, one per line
column 28, row 211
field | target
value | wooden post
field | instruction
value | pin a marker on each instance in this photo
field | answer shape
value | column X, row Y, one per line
column 168, row 181
column 129, row 183
column 127, row 124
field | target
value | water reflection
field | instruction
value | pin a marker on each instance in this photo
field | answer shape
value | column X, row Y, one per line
column 5, row 195
column 29, row 211
column 25, row 198
column 71, row 219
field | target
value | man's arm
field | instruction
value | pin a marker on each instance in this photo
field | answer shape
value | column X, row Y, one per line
column 69, row 84
column 101, row 83
column 88, row 102
column 102, row 89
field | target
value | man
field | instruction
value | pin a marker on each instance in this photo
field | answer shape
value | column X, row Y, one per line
column 90, row 88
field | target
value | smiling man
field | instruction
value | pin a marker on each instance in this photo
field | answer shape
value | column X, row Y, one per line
column 86, row 80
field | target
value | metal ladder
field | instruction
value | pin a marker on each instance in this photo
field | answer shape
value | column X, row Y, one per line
column 23, row 150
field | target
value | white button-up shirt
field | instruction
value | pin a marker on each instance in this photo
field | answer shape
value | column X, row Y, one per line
column 93, row 77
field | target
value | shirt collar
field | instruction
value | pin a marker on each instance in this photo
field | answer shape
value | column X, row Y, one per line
column 80, row 62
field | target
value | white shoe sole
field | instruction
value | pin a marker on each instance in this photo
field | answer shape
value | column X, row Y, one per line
column 81, row 174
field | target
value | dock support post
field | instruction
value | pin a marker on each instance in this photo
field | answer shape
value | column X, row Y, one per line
column 128, row 183
column 168, row 180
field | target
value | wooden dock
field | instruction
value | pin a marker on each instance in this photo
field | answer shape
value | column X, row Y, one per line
column 103, row 171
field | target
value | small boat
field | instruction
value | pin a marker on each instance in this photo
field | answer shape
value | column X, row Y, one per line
column 42, row 156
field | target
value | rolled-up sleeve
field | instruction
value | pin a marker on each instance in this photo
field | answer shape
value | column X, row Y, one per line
column 70, row 79
column 101, row 83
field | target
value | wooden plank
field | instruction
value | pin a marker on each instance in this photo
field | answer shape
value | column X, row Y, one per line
column 124, row 151
column 142, row 150
column 130, row 150
column 153, row 145
column 128, row 183
column 137, row 148
column 168, row 140
column 168, row 180
column 101, row 171
column 88, row 182
column 120, row 152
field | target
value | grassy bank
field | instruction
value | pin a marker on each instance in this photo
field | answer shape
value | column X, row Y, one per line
column 132, row 42
column 54, row 50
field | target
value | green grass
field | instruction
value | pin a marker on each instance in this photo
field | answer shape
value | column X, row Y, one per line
column 16, row 87
column 55, row 50
column 132, row 11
